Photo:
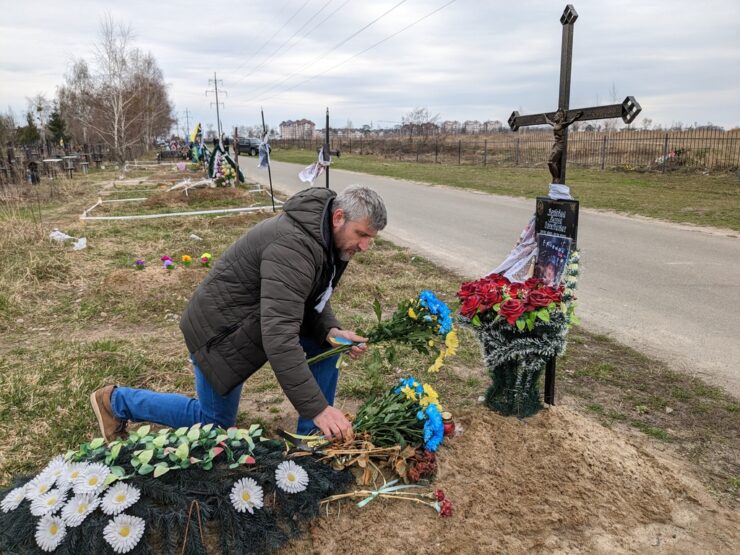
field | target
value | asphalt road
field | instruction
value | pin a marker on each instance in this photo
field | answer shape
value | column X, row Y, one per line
column 670, row 291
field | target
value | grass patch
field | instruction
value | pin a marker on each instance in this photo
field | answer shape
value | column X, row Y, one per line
column 710, row 200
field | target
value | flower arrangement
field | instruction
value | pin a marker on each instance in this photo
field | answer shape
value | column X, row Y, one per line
column 167, row 262
column 109, row 497
column 424, row 323
column 139, row 264
column 205, row 259
column 407, row 414
column 520, row 326
column 186, row 260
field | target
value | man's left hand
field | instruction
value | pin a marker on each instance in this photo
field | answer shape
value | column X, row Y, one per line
column 360, row 341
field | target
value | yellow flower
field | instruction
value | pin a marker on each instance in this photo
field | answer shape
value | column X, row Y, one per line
column 437, row 363
column 452, row 343
column 412, row 314
column 409, row 393
column 186, row 258
column 431, row 343
column 429, row 390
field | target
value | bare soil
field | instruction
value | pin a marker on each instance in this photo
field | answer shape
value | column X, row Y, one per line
column 556, row 482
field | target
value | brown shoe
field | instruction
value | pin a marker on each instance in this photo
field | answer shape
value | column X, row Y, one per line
column 110, row 426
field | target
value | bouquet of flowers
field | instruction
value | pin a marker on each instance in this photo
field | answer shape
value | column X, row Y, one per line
column 520, row 326
column 167, row 263
column 424, row 323
column 407, row 414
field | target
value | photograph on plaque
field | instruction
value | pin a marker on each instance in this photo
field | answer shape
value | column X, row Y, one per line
column 552, row 258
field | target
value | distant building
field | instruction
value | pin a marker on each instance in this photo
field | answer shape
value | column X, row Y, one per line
column 494, row 126
column 298, row 129
column 472, row 127
column 451, row 127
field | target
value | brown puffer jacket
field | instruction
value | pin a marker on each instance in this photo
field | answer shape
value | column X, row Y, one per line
column 260, row 297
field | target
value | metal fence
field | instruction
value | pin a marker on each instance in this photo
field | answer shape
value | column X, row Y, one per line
column 709, row 150
column 30, row 163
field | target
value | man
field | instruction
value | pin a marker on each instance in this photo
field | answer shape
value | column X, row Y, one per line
column 266, row 299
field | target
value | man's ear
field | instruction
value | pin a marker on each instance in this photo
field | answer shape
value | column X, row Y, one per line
column 337, row 218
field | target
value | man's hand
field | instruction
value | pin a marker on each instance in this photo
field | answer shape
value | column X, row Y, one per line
column 333, row 424
column 356, row 350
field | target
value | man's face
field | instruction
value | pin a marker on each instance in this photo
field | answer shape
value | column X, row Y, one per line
column 351, row 237
column 549, row 274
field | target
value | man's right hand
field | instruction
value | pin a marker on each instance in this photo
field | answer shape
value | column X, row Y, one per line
column 333, row 424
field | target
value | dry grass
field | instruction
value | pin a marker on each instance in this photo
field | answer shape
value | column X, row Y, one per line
column 72, row 321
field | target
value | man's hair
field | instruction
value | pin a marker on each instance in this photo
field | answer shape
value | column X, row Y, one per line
column 360, row 202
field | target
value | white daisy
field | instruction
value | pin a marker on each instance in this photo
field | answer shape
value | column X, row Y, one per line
column 72, row 472
column 124, row 532
column 14, row 498
column 290, row 477
column 91, row 479
column 56, row 467
column 119, row 498
column 40, row 485
column 246, row 495
column 50, row 532
column 48, row 503
column 76, row 511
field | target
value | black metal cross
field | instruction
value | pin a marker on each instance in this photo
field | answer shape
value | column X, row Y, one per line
column 627, row 110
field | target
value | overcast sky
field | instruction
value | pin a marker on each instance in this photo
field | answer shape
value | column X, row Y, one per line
column 469, row 60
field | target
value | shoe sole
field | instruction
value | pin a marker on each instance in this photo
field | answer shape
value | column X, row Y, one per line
column 96, row 410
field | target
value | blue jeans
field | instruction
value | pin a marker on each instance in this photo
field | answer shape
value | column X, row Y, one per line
column 175, row 410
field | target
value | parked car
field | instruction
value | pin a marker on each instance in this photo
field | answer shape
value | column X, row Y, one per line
column 248, row 145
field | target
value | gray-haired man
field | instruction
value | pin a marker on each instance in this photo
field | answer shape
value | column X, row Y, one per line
column 266, row 299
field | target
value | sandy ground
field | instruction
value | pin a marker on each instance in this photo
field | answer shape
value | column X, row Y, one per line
column 555, row 483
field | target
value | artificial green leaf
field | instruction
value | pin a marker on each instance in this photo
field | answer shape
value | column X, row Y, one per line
column 207, row 466
column 475, row 321
column 115, row 450
column 182, row 451
column 143, row 430
column 193, row 435
column 159, row 441
column 520, row 324
column 161, row 469
column 146, row 456
column 543, row 315
column 97, row 442
column 165, row 431
column 145, row 469
column 135, row 462
column 221, row 437
column 110, row 479
column 181, row 431
column 118, row 471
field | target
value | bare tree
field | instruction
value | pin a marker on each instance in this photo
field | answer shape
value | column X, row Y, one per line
column 122, row 100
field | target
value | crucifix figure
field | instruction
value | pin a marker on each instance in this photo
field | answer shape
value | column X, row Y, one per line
column 559, row 125
column 563, row 117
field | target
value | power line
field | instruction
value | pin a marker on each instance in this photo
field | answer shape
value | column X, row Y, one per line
column 258, row 90
column 360, row 52
column 252, row 56
column 338, row 45
column 279, row 48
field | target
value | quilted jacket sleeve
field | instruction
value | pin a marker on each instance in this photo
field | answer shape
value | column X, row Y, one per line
column 287, row 272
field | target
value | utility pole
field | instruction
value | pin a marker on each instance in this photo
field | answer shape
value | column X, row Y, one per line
column 187, row 120
column 215, row 91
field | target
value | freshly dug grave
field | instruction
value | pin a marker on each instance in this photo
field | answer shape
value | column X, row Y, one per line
column 556, row 482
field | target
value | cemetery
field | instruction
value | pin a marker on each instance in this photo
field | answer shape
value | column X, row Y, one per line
column 484, row 417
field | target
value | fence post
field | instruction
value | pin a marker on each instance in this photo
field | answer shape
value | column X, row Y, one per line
column 459, row 152
column 436, row 149
column 418, row 145
column 603, row 154
column 665, row 152
column 350, row 144
column 516, row 155
column 485, row 152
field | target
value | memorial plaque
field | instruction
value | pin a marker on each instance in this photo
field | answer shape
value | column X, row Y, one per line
column 557, row 217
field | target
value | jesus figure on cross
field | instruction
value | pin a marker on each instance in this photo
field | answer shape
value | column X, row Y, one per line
column 559, row 125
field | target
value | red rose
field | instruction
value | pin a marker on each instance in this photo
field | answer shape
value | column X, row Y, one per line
column 554, row 294
column 534, row 283
column 470, row 306
column 538, row 298
column 468, row 288
column 445, row 508
column 515, row 289
column 498, row 280
column 491, row 297
column 511, row 309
